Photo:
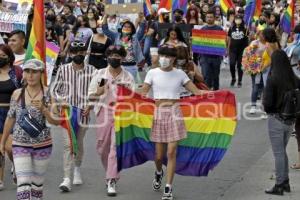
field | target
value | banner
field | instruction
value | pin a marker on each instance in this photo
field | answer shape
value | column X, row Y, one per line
column 10, row 21
column 113, row 7
column 209, row 42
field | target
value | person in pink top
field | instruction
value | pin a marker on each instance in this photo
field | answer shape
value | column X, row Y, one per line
column 102, row 94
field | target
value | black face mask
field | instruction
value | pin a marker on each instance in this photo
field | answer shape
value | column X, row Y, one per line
column 261, row 21
column 114, row 62
column 78, row 59
column 166, row 19
column 51, row 17
column 94, row 30
column 178, row 18
column 3, row 62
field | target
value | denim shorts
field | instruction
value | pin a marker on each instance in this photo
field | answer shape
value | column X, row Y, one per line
column 3, row 114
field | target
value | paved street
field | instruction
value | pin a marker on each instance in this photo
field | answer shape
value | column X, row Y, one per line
column 243, row 174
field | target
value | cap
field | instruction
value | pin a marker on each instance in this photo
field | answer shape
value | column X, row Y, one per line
column 154, row 51
column 162, row 11
column 34, row 64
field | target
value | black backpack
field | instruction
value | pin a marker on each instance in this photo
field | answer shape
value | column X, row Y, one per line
column 290, row 108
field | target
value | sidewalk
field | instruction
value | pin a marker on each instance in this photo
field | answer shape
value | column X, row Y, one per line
column 257, row 179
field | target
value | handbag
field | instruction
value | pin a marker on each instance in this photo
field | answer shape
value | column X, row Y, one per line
column 290, row 108
column 30, row 125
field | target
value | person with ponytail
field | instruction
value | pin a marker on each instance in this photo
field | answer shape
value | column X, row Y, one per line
column 31, row 152
column 10, row 80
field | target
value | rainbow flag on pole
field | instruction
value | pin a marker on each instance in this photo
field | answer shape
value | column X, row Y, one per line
column 147, row 7
column 70, row 121
column 226, row 4
column 37, row 41
column 210, row 123
column 288, row 19
column 209, row 42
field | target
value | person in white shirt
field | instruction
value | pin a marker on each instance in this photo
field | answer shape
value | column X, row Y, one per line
column 103, row 93
column 168, row 126
column 16, row 42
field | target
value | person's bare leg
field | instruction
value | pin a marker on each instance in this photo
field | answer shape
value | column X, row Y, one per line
column 171, row 167
column 159, row 154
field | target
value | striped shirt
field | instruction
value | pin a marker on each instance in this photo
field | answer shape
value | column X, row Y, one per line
column 71, row 86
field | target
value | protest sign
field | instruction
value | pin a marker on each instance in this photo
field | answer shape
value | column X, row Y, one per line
column 10, row 21
column 52, row 52
column 210, row 42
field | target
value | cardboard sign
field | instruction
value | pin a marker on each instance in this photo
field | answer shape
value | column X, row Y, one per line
column 10, row 21
column 185, row 28
column 130, row 8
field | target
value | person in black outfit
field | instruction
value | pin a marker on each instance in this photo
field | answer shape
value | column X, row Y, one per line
column 280, row 80
column 237, row 42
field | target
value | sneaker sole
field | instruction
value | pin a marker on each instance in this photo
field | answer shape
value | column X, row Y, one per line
column 64, row 188
column 77, row 183
column 112, row 194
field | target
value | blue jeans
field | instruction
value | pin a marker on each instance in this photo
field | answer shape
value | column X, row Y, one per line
column 211, row 71
column 257, row 88
column 132, row 70
column 279, row 134
column 146, row 50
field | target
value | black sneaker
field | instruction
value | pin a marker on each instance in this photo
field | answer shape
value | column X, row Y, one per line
column 156, row 184
column 239, row 84
column 232, row 83
column 167, row 194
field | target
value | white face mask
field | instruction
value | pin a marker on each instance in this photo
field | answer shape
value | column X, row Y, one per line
column 164, row 62
column 99, row 30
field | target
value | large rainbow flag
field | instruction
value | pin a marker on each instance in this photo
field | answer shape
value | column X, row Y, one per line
column 209, row 42
column 210, row 122
column 180, row 4
column 70, row 121
column 252, row 11
column 37, row 41
column 288, row 19
column 226, row 4
column 147, row 7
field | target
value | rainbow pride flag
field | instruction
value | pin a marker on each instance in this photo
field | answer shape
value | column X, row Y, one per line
column 70, row 121
column 209, row 42
column 167, row 4
column 180, row 4
column 37, row 43
column 226, row 4
column 147, row 7
column 210, row 123
column 288, row 19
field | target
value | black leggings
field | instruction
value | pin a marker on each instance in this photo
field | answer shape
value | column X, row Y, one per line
column 235, row 59
column 297, row 127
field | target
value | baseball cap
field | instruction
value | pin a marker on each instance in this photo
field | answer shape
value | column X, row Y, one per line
column 34, row 64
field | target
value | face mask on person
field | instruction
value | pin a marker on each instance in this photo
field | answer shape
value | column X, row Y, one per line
column 3, row 62
column 181, row 62
column 178, row 18
column 90, row 16
column 164, row 62
column 238, row 21
column 78, row 59
column 114, row 62
column 126, row 31
column 51, row 17
column 100, row 31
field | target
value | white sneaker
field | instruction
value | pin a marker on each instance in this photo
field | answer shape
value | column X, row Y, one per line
column 1, row 185
column 65, row 186
column 111, row 188
column 77, row 180
column 264, row 115
column 252, row 110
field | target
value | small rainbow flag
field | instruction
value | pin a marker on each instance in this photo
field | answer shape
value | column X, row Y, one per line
column 70, row 121
column 52, row 50
column 210, row 123
column 226, row 4
column 37, row 42
column 180, row 4
column 288, row 19
column 209, row 42
column 147, row 7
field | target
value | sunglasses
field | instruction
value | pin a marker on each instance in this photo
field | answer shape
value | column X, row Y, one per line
column 77, row 44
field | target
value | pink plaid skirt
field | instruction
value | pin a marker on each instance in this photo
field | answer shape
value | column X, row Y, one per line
column 168, row 125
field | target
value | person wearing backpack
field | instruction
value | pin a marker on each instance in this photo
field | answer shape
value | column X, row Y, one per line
column 279, row 128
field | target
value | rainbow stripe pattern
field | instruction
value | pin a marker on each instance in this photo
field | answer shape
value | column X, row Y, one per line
column 70, row 121
column 209, row 42
column 37, row 42
column 226, row 4
column 210, row 123
column 180, row 4
column 147, row 7
column 52, row 50
column 288, row 21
